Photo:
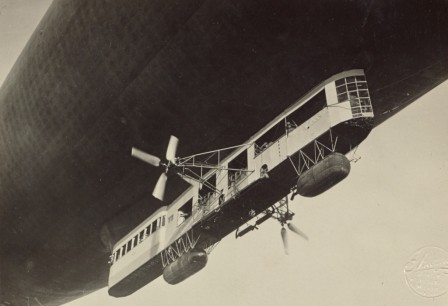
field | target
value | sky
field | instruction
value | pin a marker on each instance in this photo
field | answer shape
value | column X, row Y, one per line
column 362, row 232
column 18, row 19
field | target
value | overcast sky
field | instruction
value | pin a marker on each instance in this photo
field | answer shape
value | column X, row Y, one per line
column 18, row 19
column 362, row 232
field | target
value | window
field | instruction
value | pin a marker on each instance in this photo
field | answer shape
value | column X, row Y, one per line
column 184, row 212
column 163, row 220
column 362, row 85
column 351, row 87
column 342, row 97
column 354, row 101
column 341, row 89
column 141, row 236
column 363, row 93
column 350, row 79
column 154, row 226
column 340, row 82
column 208, row 190
column 135, row 241
column 364, row 102
column 269, row 137
column 355, row 90
column 308, row 110
column 235, row 175
column 129, row 245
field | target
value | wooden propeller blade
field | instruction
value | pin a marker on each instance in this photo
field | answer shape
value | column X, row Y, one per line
column 147, row 158
column 159, row 189
column 284, row 234
column 172, row 148
column 296, row 230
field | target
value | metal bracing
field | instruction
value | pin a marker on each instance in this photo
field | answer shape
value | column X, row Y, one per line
column 194, row 178
column 320, row 150
column 279, row 211
column 209, row 247
column 204, row 206
column 179, row 247
column 192, row 158
column 196, row 167
column 354, row 158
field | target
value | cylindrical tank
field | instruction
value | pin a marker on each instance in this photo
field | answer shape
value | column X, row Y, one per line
column 323, row 175
column 185, row 266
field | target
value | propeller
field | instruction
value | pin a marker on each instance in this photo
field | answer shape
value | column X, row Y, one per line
column 284, row 234
column 297, row 231
column 159, row 188
column 284, row 216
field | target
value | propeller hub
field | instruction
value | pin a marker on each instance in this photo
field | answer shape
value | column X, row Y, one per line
column 171, row 161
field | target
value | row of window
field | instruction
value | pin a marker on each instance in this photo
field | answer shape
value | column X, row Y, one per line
column 351, row 86
column 137, row 239
column 183, row 214
column 355, row 90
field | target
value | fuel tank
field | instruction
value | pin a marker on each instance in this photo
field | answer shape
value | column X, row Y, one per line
column 185, row 266
column 323, row 175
